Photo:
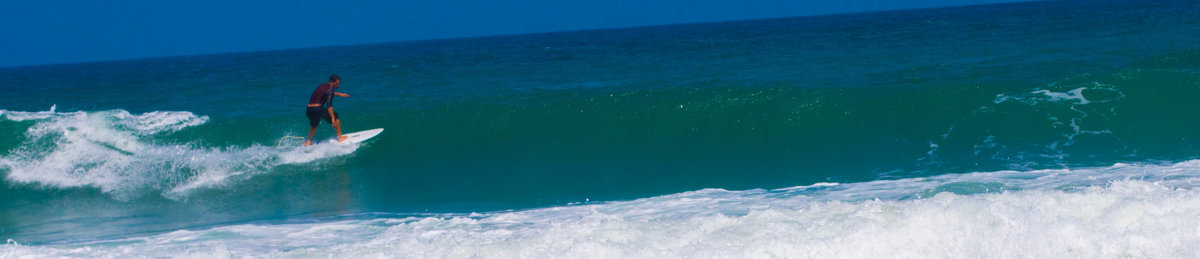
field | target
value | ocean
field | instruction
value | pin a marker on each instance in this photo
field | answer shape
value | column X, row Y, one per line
column 1057, row 129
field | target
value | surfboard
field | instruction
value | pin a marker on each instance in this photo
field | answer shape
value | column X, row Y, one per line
column 357, row 137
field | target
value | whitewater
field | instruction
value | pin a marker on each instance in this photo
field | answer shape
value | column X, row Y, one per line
column 114, row 151
column 1120, row 211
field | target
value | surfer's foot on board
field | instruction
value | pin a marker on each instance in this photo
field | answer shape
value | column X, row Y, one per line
column 342, row 138
column 308, row 143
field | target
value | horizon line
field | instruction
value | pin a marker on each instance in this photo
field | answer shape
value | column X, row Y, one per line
column 503, row 35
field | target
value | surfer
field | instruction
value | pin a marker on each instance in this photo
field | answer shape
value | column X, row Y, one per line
column 320, row 107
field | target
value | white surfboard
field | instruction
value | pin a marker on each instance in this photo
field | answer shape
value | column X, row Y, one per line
column 357, row 137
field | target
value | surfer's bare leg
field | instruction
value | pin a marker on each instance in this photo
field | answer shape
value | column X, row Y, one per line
column 311, row 131
column 337, row 125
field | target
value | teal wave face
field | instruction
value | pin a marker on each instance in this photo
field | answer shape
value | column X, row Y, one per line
column 801, row 135
column 555, row 149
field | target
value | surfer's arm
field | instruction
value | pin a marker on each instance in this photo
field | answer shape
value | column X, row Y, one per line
column 343, row 95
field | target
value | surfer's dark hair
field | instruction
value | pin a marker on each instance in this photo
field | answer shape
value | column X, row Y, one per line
column 334, row 77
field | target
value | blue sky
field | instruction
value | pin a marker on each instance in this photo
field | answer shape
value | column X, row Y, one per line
column 70, row 31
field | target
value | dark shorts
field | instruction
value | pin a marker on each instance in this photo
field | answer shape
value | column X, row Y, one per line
column 316, row 114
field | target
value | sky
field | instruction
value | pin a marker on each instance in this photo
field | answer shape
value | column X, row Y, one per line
column 71, row 31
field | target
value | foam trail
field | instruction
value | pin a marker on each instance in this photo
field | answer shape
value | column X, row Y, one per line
column 115, row 151
column 1148, row 212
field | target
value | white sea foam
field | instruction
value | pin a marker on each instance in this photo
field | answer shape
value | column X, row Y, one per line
column 1122, row 211
column 1081, row 111
column 116, row 152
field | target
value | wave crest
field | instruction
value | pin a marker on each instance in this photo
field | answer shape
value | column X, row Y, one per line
column 117, row 152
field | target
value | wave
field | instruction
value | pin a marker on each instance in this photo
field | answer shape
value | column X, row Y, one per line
column 121, row 153
column 807, row 134
column 1124, row 210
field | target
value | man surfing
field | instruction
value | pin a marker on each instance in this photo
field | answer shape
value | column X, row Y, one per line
column 320, row 106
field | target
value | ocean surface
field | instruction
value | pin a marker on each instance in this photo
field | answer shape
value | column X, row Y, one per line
column 1061, row 129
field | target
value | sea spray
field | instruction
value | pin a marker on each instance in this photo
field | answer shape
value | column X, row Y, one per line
column 115, row 151
column 1106, row 212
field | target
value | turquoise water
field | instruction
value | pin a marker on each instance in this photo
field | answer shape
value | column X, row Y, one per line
column 1065, row 120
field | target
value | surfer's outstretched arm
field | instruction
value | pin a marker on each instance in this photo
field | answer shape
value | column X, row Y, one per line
column 343, row 95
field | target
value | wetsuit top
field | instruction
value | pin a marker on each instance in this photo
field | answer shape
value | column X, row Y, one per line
column 323, row 95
